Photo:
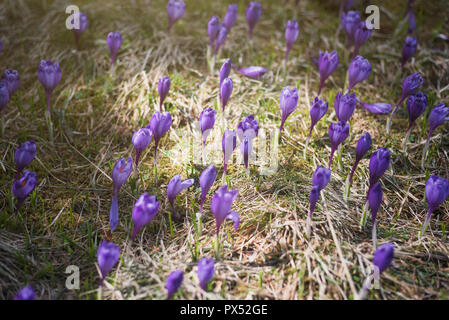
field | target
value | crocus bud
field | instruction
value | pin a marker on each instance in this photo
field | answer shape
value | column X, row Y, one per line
column 438, row 116
column 383, row 257
column 4, row 95
column 377, row 108
column 362, row 148
column 120, row 173
column 221, row 38
column 108, row 254
column 12, row 80
column 228, row 144
column 359, row 70
column 160, row 123
column 317, row 110
column 321, row 177
column 173, row 282
column 349, row 22
column 141, row 139
column 26, row 293
column 411, row 21
column 175, row 10
column 291, row 34
column 22, row 187
column 361, row 35
column 437, row 191
column 378, row 164
column 416, row 105
column 212, row 30
column 248, row 128
column 114, row 41
column 205, row 272
column 344, row 106
column 411, row 84
column 231, row 16
column 327, row 63
column 175, row 186
column 24, row 154
column 207, row 121
column 225, row 70
column 221, row 205
column 163, row 87
column 207, row 179
column 375, row 195
column 49, row 75
column 288, row 102
column 338, row 132
column 253, row 12
column 253, row 72
column 246, row 147
column 225, row 92
column 145, row 209
column 409, row 49
column 83, row 23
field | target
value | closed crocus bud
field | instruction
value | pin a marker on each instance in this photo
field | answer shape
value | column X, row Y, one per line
column 175, row 10
column 377, row 108
column 207, row 179
column 437, row 191
column 49, row 75
column 416, row 105
column 361, row 35
column 228, row 144
column 409, row 49
column 24, row 154
column 438, row 116
column 212, row 30
column 253, row 12
column 114, row 41
column 231, row 16
column 12, row 79
column 248, row 128
column 291, row 34
column 108, row 254
column 221, row 38
column 225, row 70
column 145, row 209
column 4, row 95
column 23, row 186
column 345, row 106
column 26, row 293
column 317, row 111
column 288, row 103
column 321, row 177
column 205, row 272
column 359, row 70
column 225, row 92
column 160, row 123
column 120, row 173
column 411, row 21
column 221, row 205
column 327, row 63
column 375, row 195
column 383, row 257
column 378, row 164
column 338, row 132
column 173, row 282
column 350, row 22
column 362, row 148
column 83, row 23
column 207, row 121
column 163, row 87
column 253, row 72
column 141, row 139
column 175, row 186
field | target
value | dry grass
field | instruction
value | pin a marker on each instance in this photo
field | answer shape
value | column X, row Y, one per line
column 269, row 257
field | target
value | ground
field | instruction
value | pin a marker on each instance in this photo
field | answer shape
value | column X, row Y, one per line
column 96, row 110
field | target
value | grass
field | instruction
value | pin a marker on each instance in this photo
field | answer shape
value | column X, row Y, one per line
column 95, row 113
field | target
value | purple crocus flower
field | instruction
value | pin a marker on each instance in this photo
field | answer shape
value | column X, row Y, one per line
column 12, row 79
column 317, row 111
column 145, row 209
column 253, row 12
column 377, row 108
column 24, row 154
column 409, row 49
column 173, row 282
column 225, row 92
column 175, row 10
column 362, row 148
column 361, row 35
column 350, row 22
column 253, row 72
column 344, row 106
column 291, row 34
column 84, row 22
column 213, row 27
column 438, row 116
column 327, row 63
column 338, row 132
column 4, row 96
column 108, row 254
column 225, row 70
column 26, row 293
column 288, row 103
column 120, row 173
column 174, row 187
column 416, row 105
column 321, row 177
column 228, row 144
column 160, row 123
column 231, row 16
column 23, row 186
column 378, row 164
column 49, row 75
column 411, row 21
column 437, row 191
column 163, row 87
column 383, row 257
column 207, row 179
column 313, row 200
column 221, row 205
column 221, row 38
column 205, row 272
column 359, row 70
column 141, row 139
column 246, row 148
column 248, row 127
column 114, row 41
column 207, row 121
column 375, row 195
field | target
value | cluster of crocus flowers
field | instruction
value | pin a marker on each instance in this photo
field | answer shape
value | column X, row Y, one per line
column 320, row 179
column 26, row 293
column 288, row 102
column 49, row 75
column 108, row 254
column 416, row 105
column 206, row 270
column 327, row 63
column 23, row 186
column 82, row 27
column 163, row 87
column 160, row 123
column 175, row 10
column 228, row 144
column 173, row 282
column 359, row 70
column 338, row 133
column 247, row 130
column 253, row 12
column 145, row 209
column 230, row 16
column 291, row 34
column 140, row 140
column 207, row 121
column 409, row 49
column 174, row 187
column 114, row 41
column 438, row 116
column 120, row 173
column 437, row 191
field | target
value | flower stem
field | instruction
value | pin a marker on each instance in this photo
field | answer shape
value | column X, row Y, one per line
column 364, row 214
column 155, row 164
column 407, row 135
column 426, row 147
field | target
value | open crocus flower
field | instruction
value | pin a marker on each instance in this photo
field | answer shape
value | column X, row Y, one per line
column 145, row 209
column 409, row 49
column 12, row 80
column 253, row 12
column 174, row 187
column 163, row 87
column 228, row 144
column 378, row 164
column 225, row 92
column 416, row 105
column 108, row 254
column 317, row 111
column 213, row 27
column 114, row 41
column 291, row 34
column 23, row 186
column 438, row 116
column 288, row 103
column 362, row 148
column 320, row 179
column 173, row 282
column 225, row 71
column 338, row 132
column 375, row 195
column 221, row 38
column 344, row 106
column 359, row 70
column 49, row 75
column 207, row 179
column 84, row 22
column 350, row 22
column 24, row 154
column 175, row 10
column 377, row 108
column 205, row 272
column 327, row 63
column 248, row 128
column 231, row 16
column 160, row 123
column 361, row 35
column 120, row 173
column 437, row 191
column 253, row 72
column 221, row 205
column 141, row 139
column 27, row 293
